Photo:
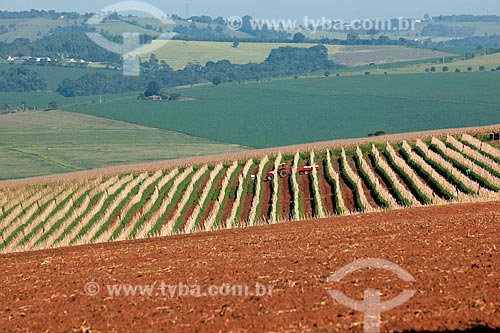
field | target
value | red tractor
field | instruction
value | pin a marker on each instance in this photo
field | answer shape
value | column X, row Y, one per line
column 282, row 171
column 308, row 168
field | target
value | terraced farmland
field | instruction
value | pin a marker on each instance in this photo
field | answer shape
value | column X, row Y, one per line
column 239, row 193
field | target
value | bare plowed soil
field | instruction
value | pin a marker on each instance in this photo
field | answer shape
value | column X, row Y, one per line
column 286, row 200
column 453, row 252
column 326, row 189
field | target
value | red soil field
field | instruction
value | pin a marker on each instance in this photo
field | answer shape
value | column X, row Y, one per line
column 286, row 200
column 452, row 251
column 211, row 201
column 230, row 201
column 265, row 203
column 347, row 192
column 366, row 190
column 305, row 191
column 248, row 198
column 326, row 189
column 192, row 205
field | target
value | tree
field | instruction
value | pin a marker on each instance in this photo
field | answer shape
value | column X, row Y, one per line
column 372, row 33
column 281, row 62
column 52, row 106
column 153, row 89
column 236, row 43
column 216, row 80
column 445, row 68
column 19, row 79
column 383, row 40
column 433, row 69
column 457, row 70
column 168, row 95
column 246, row 25
column 469, row 69
column 352, row 38
column 299, row 37
column 482, row 68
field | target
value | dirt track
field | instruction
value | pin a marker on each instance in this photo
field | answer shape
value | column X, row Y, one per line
column 452, row 251
column 230, row 157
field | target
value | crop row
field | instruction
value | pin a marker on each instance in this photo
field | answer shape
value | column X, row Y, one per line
column 251, row 192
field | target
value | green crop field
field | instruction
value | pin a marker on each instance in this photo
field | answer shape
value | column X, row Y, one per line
column 491, row 61
column 40, row 100
column 363, row 55
column 42, row 143
column 179, row 53
column 31, row 28
column 307, row 110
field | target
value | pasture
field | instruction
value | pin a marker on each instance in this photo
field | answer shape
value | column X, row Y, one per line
column 490, row 61
column 287, row 112
column 32, row 29
column 39, row 100
column 179, row 53
column 43, row 143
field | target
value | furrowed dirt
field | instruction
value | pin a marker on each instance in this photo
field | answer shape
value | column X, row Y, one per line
column 326, row 189
column 347, row 191
column 453, row 252
column 285, row 199
column 248, row 198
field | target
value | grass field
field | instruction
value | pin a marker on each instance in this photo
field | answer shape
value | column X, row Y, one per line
column 307, row 110
column 30, row 28
column 40, row 100
column 42, row 143
column 491, row 61
column 179, row 53
column 363, row 55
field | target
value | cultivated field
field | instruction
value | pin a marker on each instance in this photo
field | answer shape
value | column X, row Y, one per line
column 237, row 193
column 30, row 28
column 287, row 112
column 179, row 53
column 43, row 143
column 451, row 251
column 490, row 61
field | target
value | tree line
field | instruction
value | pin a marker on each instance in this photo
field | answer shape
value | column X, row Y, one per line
column 33, row 13
column 20, row 79
column 69, row 44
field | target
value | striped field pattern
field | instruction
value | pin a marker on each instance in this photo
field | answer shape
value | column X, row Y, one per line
column 250, row 192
